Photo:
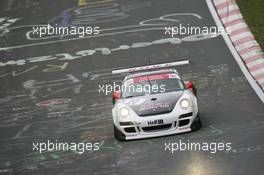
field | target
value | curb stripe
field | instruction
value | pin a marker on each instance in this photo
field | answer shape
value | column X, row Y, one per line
column 257, row 72
column 246, row 44
column 254, row 58
column 230, row 23
column 261, row 80
column 241, row 35
column 254, row 68
column 219, row 1
column 232, row 12
column 222, row 5
column 251, row 53
column 259, row 76
column 226, row 9
column 238, row 26
column 255, row 63
column 248, row 49
column 262, row 85
column 238, row 31
column 232, row 18
column 243, row 40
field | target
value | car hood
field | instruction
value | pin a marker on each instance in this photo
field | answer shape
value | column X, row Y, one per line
column 153, row 104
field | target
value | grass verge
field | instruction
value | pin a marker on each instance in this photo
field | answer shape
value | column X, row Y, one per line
column 253, row 13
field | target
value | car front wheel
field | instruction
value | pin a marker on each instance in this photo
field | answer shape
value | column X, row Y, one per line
column 118, row 134
column 196, row 125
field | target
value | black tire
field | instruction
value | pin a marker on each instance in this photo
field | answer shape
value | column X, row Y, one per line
column 119, row 135
column 196, row 125
column 194, row 90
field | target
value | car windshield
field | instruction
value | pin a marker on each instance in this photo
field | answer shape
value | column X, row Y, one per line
column 152, row 86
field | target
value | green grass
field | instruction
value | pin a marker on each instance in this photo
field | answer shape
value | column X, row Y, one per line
column 253, row 13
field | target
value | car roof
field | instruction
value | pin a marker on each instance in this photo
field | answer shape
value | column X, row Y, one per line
column 146, row 73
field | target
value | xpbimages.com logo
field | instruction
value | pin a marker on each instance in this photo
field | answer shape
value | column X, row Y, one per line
column 131, row 89
column 211, row 147
column 196, row 30
column 80, row 147
column 48, row 31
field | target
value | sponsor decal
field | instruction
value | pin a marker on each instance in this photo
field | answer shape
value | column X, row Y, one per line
column 184, row 128
column 155, row 122
column 154, row 77
column 154, row 106
column 173, row 76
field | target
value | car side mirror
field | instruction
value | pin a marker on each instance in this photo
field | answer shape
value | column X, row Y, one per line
column 189, row 85
column 116, row 96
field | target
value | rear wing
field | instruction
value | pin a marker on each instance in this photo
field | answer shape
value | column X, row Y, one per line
column 149, row 67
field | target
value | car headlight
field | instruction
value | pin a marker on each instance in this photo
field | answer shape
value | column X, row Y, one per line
column 185, row 103
column 123, row 112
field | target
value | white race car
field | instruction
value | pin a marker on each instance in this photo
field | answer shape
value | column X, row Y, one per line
column 153, row 103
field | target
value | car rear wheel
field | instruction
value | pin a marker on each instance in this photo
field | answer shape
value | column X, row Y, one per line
column 119, row 135
column 196, row 125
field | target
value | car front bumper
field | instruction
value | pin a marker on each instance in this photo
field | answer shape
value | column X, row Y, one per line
column 172, row 125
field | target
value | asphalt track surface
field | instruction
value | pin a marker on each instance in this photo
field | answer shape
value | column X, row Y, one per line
column 230, row 110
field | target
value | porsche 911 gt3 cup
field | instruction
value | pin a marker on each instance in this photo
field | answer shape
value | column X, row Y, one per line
column 154, row 101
